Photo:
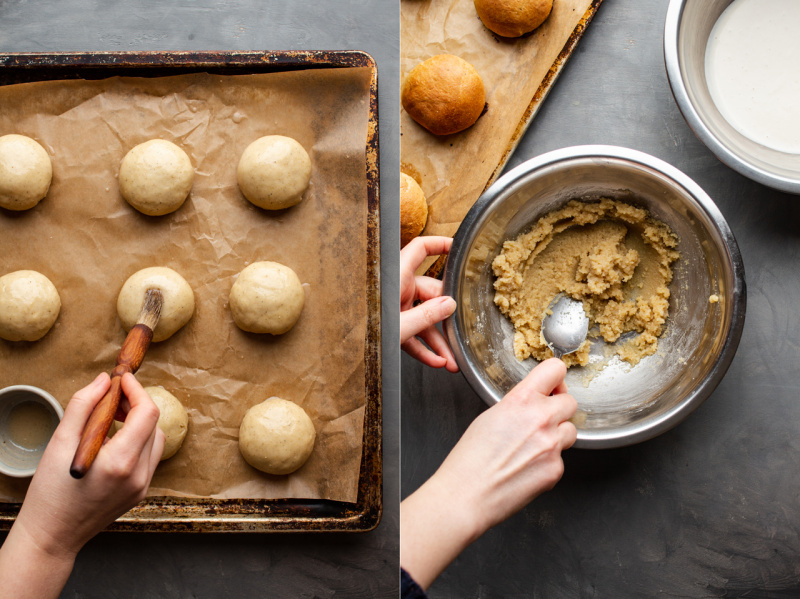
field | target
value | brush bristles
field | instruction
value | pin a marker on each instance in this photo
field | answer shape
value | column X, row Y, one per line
column 151, row 309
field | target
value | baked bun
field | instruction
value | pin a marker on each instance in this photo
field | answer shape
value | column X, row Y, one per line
column 444, row 94
column 413, row 209
column 513, row 18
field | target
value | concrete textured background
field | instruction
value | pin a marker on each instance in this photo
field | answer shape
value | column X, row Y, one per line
column 709, row 509
column 246, row 565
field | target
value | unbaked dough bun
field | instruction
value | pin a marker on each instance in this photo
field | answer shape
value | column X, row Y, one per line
column 413, row 209
column 25, row 172
column 178, row 304
column 29, row 305
column 155, row 177
column 513, row 18
column 274, row 172
column 267, row 297
column 444, row 94
column 276, row 436
column 173, row 420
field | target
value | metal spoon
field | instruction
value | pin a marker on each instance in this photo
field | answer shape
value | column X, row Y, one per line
column 565, row 326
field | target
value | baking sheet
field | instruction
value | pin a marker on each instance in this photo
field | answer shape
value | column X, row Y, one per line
column 87, row 240
column 454, row 170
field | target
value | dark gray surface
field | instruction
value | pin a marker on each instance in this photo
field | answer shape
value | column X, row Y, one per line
column 709, row 509
column 209, row 566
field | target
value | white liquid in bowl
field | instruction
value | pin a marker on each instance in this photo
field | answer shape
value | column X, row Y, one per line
column 753, row 70
column 30, row 425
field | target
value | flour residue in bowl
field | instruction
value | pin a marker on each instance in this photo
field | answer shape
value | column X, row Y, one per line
column 612, row 256
column 751, row 69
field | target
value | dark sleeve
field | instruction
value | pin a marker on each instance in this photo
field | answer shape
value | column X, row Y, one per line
column 410, row 589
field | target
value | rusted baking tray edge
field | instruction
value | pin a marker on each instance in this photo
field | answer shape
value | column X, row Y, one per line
column 437, row 268
column 177, row 514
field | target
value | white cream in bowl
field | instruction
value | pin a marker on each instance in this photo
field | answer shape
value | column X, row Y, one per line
column 752, row 67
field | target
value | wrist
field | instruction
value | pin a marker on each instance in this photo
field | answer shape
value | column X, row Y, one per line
column 475, row 483
column 435, row 527
column 459, row 509
column 28, row 537
column 29, row 570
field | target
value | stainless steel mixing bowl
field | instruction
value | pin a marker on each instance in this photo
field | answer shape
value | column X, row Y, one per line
column 688, row 25
column 618, row 404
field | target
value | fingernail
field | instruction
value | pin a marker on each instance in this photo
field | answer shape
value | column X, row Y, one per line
column 96, row 381
column 448, row 304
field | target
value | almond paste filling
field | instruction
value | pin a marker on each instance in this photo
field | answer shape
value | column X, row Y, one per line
column 612, row 256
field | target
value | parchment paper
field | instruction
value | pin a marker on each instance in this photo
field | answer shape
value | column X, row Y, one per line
column 88, row 240
column 453, row 170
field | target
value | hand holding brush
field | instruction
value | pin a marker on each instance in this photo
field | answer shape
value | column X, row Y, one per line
column 130, row 359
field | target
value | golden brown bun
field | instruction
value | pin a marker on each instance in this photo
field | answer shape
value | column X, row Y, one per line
column 444, row 94
column 513, row 18
column 413, row 209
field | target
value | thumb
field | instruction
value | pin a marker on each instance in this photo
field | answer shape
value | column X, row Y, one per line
column 544, row 379
column 419, row 318
column 82, row 403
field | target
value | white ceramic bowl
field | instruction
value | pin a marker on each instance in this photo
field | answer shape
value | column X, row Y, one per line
column 22, row 448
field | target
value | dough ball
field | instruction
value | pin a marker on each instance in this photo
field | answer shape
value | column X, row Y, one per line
column 156, row 177
column 276, row 436
column 274, row 172
column 413, row 209
column 25, row 172
column 513, row 18
column 267, row 297
column 178, row 304
column 29, row 305
column 173, row 420
column 444, row 94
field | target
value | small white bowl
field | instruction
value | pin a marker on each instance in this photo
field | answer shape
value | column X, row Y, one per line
column 28, row 417
column 688, row 26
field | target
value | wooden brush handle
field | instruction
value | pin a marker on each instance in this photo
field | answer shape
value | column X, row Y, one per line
column 130, row 358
